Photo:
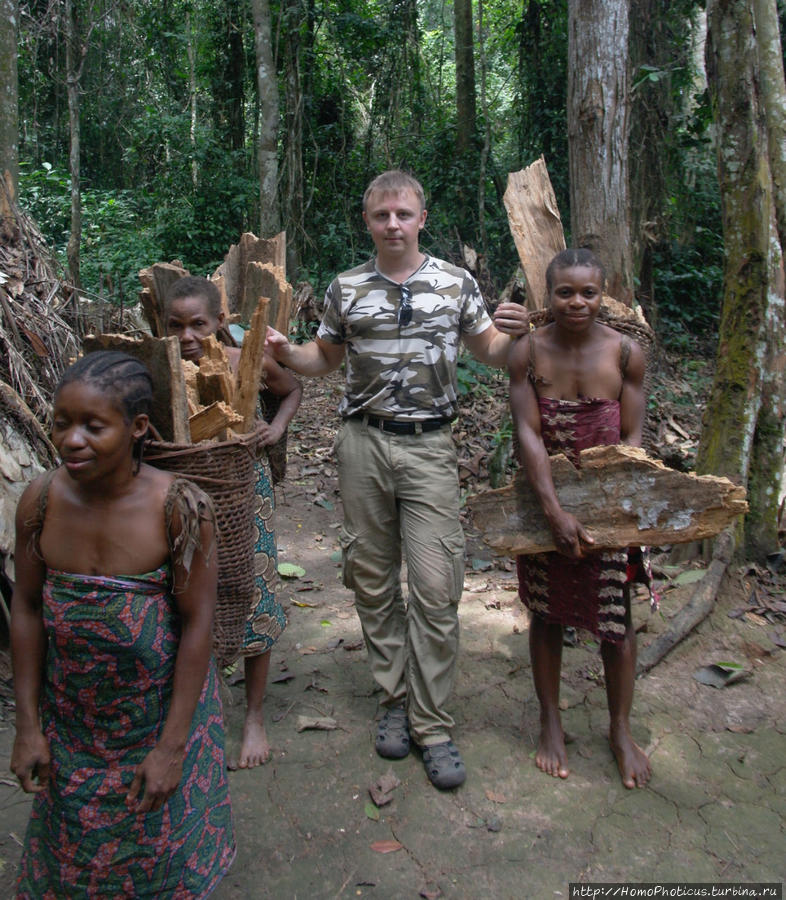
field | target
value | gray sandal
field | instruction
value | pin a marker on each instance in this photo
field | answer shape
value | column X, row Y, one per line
column 393, row 739
column 444, row 765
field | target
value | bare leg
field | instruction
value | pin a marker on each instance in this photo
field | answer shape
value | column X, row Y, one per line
column 619, row 664
column 254, row 747
column 545, row 650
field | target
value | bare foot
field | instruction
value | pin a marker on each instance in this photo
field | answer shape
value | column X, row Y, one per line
column 551, row 756
column 254, row 748
column 632, row 761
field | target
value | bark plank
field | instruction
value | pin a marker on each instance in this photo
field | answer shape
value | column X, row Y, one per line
column 249, row 249
column 620, row 495
column 156, row 281
column 266, row 280
column 249, row 372
column 162, row 358
column 212, row 420
column 535, row 224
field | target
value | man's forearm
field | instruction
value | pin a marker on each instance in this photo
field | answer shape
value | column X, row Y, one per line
column 310, row 359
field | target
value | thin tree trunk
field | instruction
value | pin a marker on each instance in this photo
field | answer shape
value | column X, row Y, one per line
column 74, row 56
column 466, row 114
column 486, row 147
column 192, row 99
column 269, row 214
column 9, row 104
column 598, row 108
column 293, row 133
column 743, row 430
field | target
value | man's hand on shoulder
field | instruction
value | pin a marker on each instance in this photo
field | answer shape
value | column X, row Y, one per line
column 511, row 319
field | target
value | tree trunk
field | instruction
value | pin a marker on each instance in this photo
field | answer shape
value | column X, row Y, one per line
column 74, row 57
column 743, row 429
column 598, row 109
column 269, row 215
column 192, row 99
column 466, row 114
column 9, row 104
column 652, row 46
column 293, row 133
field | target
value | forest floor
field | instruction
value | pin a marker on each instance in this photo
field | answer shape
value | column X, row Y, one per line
column 714, row 811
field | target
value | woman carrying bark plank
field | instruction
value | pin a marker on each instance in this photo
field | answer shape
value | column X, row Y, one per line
column 192, row 312
column 574, row 384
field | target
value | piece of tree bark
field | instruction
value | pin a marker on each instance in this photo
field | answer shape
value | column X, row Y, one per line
column 249, row 249
column 156, row 281
column 695, row 610
column 620, row 495
column 212, row 420
column 536, row 226
column 215, row 383
column 249, row 372
column 162, row 357
column 266, row 280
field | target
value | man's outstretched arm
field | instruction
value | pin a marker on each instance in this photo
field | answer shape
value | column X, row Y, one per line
column 317, row 357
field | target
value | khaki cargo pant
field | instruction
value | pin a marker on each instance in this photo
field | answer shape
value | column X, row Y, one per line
column 400, row 492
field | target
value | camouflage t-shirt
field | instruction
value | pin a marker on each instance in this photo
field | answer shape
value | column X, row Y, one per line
column 406, row 372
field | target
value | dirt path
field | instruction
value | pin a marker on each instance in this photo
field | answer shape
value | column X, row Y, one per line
column 714, row 811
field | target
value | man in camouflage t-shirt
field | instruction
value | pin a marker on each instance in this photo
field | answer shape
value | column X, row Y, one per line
column 397, row 321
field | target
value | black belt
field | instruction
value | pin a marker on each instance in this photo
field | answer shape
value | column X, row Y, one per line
column 394, row 426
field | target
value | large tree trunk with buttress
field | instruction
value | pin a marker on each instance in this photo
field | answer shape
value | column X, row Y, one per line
column 743, row 429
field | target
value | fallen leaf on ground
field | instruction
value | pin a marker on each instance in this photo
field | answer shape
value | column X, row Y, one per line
column 386, row 846
column 739, row 728
column 325, row 723
column 290, row 570
column 304, row 605
column 496, row 797
column 755, row 651
column 282, row 678
column 382, row 789
column 720, row 675
column 431, row 893
column 354, row 645
column 690, row 577
column 372, row 812
column 493, row 823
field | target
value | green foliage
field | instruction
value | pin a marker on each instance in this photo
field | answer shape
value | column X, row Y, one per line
column 378, row 90
column 473, row 377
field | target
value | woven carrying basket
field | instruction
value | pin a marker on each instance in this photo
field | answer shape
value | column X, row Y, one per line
column 627, row 321
column 225, row 471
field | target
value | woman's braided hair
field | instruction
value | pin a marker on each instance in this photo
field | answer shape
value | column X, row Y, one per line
column 123, row 378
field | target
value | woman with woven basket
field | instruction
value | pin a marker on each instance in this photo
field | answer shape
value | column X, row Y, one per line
column 192, row 311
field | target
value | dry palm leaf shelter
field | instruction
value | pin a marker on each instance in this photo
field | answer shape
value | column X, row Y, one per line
column 38, row 337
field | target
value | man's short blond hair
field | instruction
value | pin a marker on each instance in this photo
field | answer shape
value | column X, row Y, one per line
column 393, row 182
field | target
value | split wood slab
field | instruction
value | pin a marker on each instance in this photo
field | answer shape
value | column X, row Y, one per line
column 536, row 226
column 162, row 358
column 621, row 496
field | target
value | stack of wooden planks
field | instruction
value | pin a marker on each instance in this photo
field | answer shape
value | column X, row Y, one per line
column 208, row 401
